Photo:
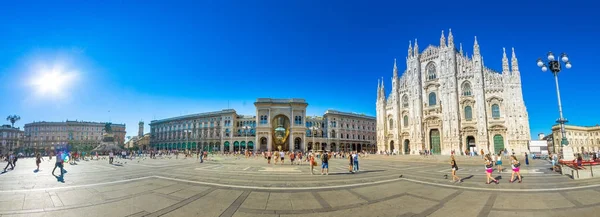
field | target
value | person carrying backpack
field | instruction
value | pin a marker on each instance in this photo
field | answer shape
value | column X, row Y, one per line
column 325, row 163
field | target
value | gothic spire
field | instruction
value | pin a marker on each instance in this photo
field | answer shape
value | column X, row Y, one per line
column 442, row 40
column 450, row 39
column 505, row 69
column 476, row 48
column 378, row 89
column 395, row 69
column 515, row 64
column 416, row 49
column 410, row 49
column 461, row 50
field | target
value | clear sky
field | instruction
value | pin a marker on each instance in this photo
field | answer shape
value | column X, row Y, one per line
column 126, row 61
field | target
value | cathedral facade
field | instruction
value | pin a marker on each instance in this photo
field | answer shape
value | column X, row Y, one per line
column 447, row 101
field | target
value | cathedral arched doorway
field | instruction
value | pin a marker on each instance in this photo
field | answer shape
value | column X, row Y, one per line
column 471, row 144
column 392, row 146
column 310, row 146
column 406, row 146
column 263, row 144
column 434, row 141
column 498, row 143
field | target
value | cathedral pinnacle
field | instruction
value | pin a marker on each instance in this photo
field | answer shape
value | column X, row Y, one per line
column 504, row 62
column 442, row 40
column 450, row 39
column 410, row 49
column 515, row 63
column 416, row 49
column 395, row 71
column 461, row 50
column 476, row 48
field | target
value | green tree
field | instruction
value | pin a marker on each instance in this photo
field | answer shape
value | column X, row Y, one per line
column 13, row 119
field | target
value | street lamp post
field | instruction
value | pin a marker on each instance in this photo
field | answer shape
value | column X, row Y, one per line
column 246, row 137
column 555, row 68
column 312, row 134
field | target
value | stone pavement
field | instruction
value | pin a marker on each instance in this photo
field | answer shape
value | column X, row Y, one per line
column 227, row 186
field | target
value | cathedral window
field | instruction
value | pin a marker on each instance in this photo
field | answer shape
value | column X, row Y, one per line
column 391, row 124
column 432, row 99
column 405, row 120
column 431, row 73
column 405, row 101
column 466, row 89
column 495, row 111
column 468, row 113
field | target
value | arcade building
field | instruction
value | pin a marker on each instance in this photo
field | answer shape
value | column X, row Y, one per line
column 278, row 124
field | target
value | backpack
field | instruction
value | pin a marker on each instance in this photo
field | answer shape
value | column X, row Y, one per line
column 325, row 158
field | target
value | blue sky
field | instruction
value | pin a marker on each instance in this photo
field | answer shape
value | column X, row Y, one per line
column 144, row 60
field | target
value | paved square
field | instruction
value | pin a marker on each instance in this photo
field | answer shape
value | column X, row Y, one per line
column 227, row 186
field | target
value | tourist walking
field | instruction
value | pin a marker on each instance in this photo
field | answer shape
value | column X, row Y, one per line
column 351, row 165
column 282, row 155
column 526, row 159
column 454, row 166
column 38, row 160
column 355, row 158
column 111, row 157
column 59, row 163
column 10, row 158
column 313, row 163
column 499, row 162
column 515, row 169
column 325, row 163
column 489, row 169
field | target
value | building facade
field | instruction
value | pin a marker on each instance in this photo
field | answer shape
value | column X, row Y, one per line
column 11, row 138
column 278, row 124
column 581, row 138
column 82, row 134
column 446, row 101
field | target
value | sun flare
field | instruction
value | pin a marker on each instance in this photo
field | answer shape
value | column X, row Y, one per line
column 54, row 82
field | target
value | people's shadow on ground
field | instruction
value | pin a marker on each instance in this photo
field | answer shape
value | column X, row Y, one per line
column 468, row 177
column 60, row 178
column 350, row 173
column 498, row 178
column 117, row 164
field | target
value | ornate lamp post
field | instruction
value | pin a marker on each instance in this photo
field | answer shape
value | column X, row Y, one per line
column 312, row 134
column 246, row 136
column 555, row 68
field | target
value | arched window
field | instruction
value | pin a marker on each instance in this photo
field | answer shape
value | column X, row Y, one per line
column 391, row 124
column 431, row 73
column 466, row 89
column 495, row 111
column 405, row 101
column 468, row 113
column 405, row 120
column 432, row 99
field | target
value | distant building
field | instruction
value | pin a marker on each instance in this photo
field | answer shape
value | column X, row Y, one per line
column 581, row 138
column 81, row 134
column 277, row 123
column 11, row 138
column 540, row 146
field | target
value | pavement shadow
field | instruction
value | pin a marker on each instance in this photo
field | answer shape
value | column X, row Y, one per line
column 350, row 173
column 498, row 177
column 468, row 177
column 60, row 178
column 117, row 165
